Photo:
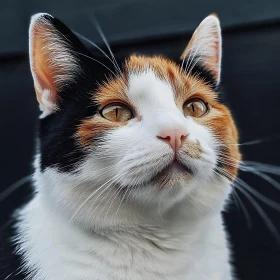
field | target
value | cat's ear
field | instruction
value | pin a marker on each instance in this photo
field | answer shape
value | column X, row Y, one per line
column 205, row 48
column 54, row 59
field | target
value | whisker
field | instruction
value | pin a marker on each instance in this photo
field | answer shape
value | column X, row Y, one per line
column 14, row 187
column 266, row 219
column 193, row 54
column 255, row 193
column 183, row 61
column 273, row 230
column 194, row 64
column 112, row 199
column 243, row 208
column 96, row 198
column 227, row 163
column 227, row 157
column 182, row 64
column 95, row 45
column 272, row 169
column 267, row 178
column 87, row 55
column 256, row 141
column 98, row 28
column 121, row 203
column 93, row 59
column 106, row 188
column 88, row 198
column 106, row 195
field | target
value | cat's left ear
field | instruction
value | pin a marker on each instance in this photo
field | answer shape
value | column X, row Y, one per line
column 205, row 49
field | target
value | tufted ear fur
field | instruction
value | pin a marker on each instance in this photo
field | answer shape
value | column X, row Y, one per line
column 54, row 59
column 204, row 48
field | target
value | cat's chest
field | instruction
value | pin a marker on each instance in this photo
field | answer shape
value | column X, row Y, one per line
column 60, row 251
column 135, row 268
column 132, row 265
column 118, row 266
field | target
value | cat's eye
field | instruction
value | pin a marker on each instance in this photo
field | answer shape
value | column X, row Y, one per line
column 116, row 112
column 195, row 107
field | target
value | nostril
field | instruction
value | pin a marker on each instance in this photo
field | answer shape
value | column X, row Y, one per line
column 183, row 137
column 165, row 138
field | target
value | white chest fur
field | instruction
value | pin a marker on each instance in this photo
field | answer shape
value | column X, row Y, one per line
column 60, row 250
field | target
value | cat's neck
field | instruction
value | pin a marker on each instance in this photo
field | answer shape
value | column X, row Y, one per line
column 61, row 249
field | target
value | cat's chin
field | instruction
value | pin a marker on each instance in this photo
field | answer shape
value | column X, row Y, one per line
column 169, row 175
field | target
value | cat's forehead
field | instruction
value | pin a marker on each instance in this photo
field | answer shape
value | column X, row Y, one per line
column 155, row 80
column 145, row 88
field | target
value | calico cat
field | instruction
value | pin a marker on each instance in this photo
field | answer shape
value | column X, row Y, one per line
column 133, row 167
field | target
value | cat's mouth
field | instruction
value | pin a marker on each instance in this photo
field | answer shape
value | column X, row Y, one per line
column 177, row 166
column 174, row 170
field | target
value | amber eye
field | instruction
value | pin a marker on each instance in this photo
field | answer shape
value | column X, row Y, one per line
column 195, row 108
column 116, row 112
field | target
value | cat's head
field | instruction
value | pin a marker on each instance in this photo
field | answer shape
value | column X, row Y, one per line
column 139, row 136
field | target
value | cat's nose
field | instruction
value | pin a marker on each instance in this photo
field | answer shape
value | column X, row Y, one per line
column 174, row 136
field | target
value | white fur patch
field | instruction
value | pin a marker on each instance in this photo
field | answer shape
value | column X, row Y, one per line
column 55, row 249
column 46, row 106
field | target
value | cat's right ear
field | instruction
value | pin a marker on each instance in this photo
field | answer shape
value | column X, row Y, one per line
column 54, row 60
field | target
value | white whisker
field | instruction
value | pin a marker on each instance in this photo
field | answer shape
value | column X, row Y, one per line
column 95, row 61
column 98, row 28
column 243, row 208
column 266, row 219
column 8, row 191
column 95, row 45
column 86, row 200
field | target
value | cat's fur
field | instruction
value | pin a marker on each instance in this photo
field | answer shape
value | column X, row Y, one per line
column 107, row 206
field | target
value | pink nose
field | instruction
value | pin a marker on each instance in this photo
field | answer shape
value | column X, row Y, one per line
column 173, row 136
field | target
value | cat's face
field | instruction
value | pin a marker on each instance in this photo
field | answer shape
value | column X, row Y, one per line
column 145, row 132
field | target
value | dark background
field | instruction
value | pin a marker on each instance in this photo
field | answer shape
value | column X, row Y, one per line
column 250, row 83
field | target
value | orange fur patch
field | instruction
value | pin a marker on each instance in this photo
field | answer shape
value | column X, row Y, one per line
column 112, row 90
column 220, row 122
column 92, row 128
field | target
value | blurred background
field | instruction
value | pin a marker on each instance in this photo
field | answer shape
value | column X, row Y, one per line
column 250, row 86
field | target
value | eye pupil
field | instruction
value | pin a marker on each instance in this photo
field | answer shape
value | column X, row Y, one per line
column 192, row 107
column 116, row 111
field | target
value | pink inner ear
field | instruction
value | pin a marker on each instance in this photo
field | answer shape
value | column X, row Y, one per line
column 213, row 62
column 43, row 71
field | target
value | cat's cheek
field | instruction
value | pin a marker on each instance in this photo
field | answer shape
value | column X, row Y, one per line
column 200, row 143
column 91, row 130
column 224, row 131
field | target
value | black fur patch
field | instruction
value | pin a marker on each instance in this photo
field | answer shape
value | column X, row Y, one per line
column 57, row 142
column 197, row 69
